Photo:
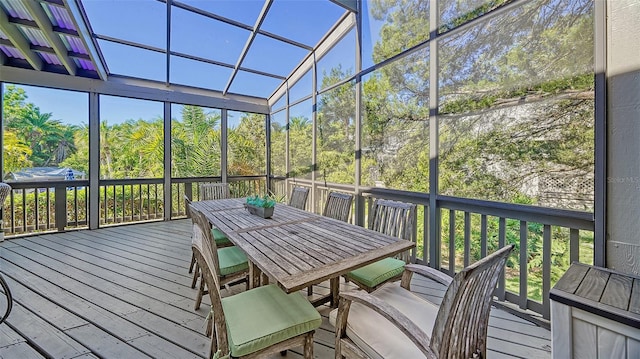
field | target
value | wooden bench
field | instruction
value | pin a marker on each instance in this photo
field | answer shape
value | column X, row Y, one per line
column 595, row 313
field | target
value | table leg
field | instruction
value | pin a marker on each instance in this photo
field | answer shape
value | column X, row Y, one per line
column 254, row 275
column 334, row 283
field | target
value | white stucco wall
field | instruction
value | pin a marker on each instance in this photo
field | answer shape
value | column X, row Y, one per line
column 623, row 135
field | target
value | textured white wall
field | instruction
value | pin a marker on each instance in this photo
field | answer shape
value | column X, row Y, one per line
column 623, row 135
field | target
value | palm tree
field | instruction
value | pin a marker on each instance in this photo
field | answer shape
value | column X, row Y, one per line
column 147, row 142
column 106, row 158
column 48, row 139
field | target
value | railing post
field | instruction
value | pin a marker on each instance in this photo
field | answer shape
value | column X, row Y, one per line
column 360, row 206
column 61, row 206
column 523, row 300
column 435, row 255
column 267, row 184
column 168, row 190
column 94, row 162
column 546, row 271
column 188, row 190
column 223, row 145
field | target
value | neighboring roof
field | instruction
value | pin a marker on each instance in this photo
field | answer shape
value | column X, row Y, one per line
column 43, row 173
column 246, row 47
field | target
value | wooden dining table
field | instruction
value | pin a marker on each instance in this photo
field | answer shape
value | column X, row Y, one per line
column 296, row 248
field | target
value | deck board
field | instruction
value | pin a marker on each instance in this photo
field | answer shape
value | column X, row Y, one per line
column 20, row 350
column 124, row 292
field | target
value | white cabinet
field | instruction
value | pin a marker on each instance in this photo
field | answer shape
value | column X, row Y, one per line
column 595, row 313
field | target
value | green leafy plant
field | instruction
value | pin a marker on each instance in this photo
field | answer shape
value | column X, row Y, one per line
column 265, row 201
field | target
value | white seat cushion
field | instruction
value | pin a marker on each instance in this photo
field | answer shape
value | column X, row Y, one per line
column 376, row 336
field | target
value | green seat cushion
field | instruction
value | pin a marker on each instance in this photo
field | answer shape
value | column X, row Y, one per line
column 232, row 260
column 376, row 273
column 219, row 237
column 264, row 316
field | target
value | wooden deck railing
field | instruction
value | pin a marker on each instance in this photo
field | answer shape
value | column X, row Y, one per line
column 34, row 207
column 548, row 240
column 131, row 200
column 37, row 207
column 240, row 186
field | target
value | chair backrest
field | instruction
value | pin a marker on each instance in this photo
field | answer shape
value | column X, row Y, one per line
column 298, row 197
column 393, row 218
column 4, row 192
column 338, row 206
column 214, row 191
column 208, row 243
column 209, row 267
column 460, row 329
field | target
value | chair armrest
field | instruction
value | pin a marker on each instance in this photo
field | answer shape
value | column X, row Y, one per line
column 430, row 273
column 412, row 331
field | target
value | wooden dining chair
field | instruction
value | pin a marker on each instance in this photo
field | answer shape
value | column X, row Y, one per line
column 5, row 190
column 214, row 191
column 338, row 206
column 256, row 323
column 219, row 237
column 395, row 219
column 231, row 263
column 298, row 197
column 187, row 207
column 414, row 327
column 210, row 191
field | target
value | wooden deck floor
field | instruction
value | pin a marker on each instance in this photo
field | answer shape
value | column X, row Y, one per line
column 124, row 292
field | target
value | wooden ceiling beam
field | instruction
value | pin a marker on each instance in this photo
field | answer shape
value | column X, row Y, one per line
column 37, row 13
column 19, row 41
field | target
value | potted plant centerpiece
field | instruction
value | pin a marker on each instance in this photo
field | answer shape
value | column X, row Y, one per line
column 261, row 206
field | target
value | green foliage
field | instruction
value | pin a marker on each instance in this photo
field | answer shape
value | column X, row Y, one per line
column 195, row 143
column 247, row 146
column 132, row 149
column 300, row 147
column 474, row 13
column 486, row 100
column 406, row 24
column 16, row 153
column 265, row 201
column 49, row 141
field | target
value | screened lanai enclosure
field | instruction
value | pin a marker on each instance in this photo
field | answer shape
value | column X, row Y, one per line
column 483, row 113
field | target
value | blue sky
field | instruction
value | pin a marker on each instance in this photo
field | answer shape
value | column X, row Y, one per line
column 144, row 21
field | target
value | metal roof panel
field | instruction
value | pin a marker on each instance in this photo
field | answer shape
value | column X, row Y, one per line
column 51, row 59
column 85, row 64
column 74, row 44
column 35, row 36
column 16, row 8
column 59, row 17
column 12, row 52
column 88, row 65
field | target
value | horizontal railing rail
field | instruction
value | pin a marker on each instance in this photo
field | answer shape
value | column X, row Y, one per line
column 551, row 216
